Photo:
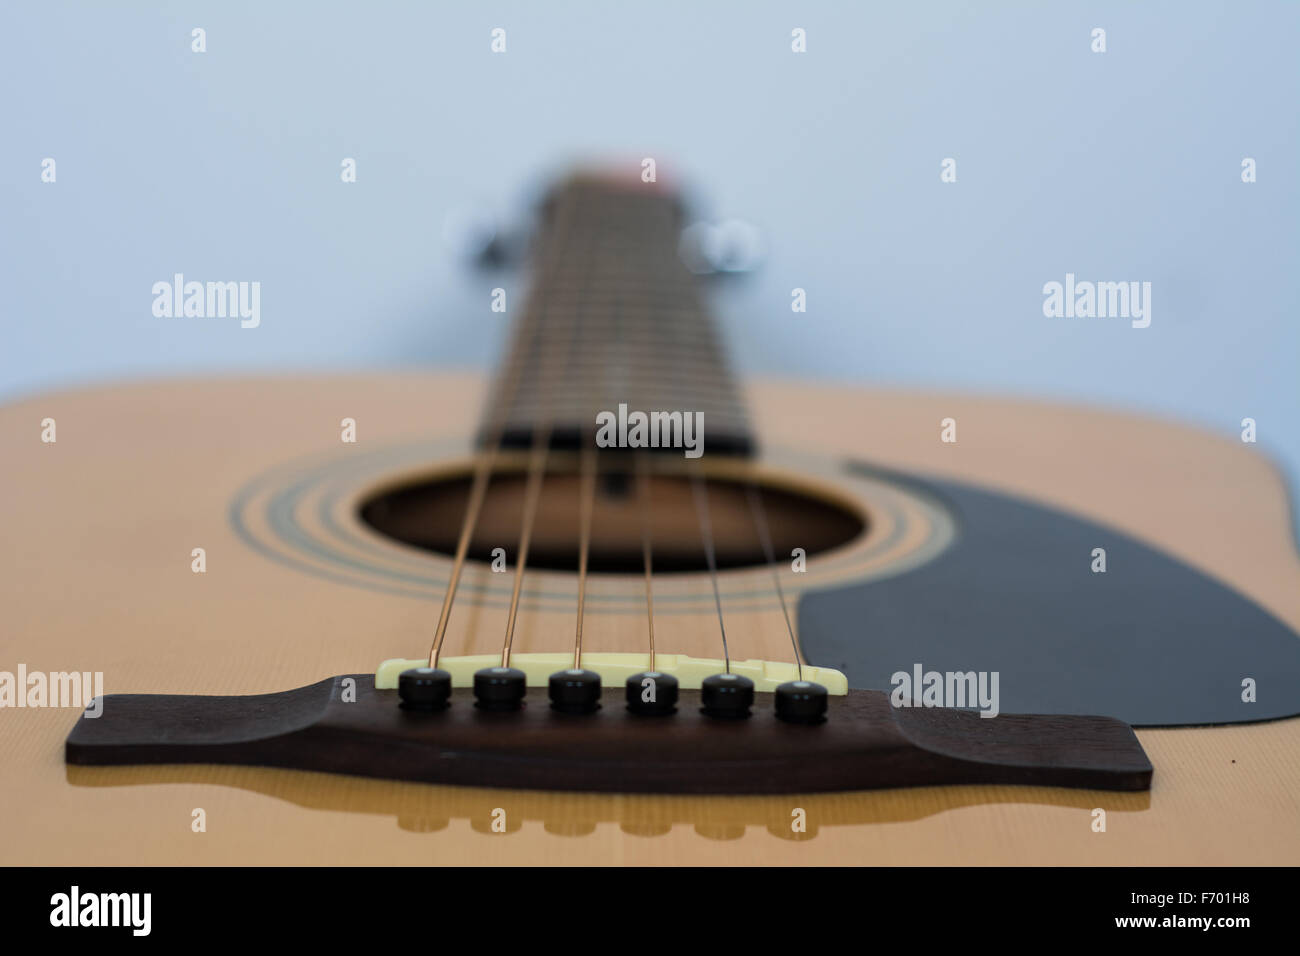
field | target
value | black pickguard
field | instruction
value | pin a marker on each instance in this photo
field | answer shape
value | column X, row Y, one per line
column 1151, row 641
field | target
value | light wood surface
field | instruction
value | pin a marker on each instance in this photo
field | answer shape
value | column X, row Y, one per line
column 96, row 576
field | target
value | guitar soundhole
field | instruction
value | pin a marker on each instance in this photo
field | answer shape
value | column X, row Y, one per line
column 428, row 515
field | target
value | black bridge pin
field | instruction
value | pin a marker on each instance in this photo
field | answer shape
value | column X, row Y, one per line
column 500, row 688
column 424, row 688
column 652, row 694
column 801, row 702
column 726, row 696
column 574, row 691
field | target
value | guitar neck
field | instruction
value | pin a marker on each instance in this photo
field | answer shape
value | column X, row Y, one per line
column 613, row 319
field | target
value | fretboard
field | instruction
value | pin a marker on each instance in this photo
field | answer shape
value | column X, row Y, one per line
column 613, row 318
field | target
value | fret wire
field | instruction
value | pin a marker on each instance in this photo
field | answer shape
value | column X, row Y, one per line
column 643, row 307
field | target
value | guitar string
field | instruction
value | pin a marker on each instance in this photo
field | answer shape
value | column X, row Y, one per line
column 487, row 461
column 641, row 467
column 532, row 496
column 587, row 491
column 536, row 472
column 755, row 496
column 541, row 438
column 477, row 492
column 700, row 493
column 587, row 494
column 644, row 496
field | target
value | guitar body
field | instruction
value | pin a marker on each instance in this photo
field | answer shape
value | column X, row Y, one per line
column 99, row 575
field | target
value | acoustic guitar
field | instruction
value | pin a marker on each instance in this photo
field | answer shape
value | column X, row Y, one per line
column 608, row 606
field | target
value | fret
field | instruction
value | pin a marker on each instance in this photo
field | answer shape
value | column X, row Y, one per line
column 610, row 282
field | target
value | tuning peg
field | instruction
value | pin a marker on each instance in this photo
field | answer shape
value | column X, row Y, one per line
column 729, row 247
column 478, row 235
